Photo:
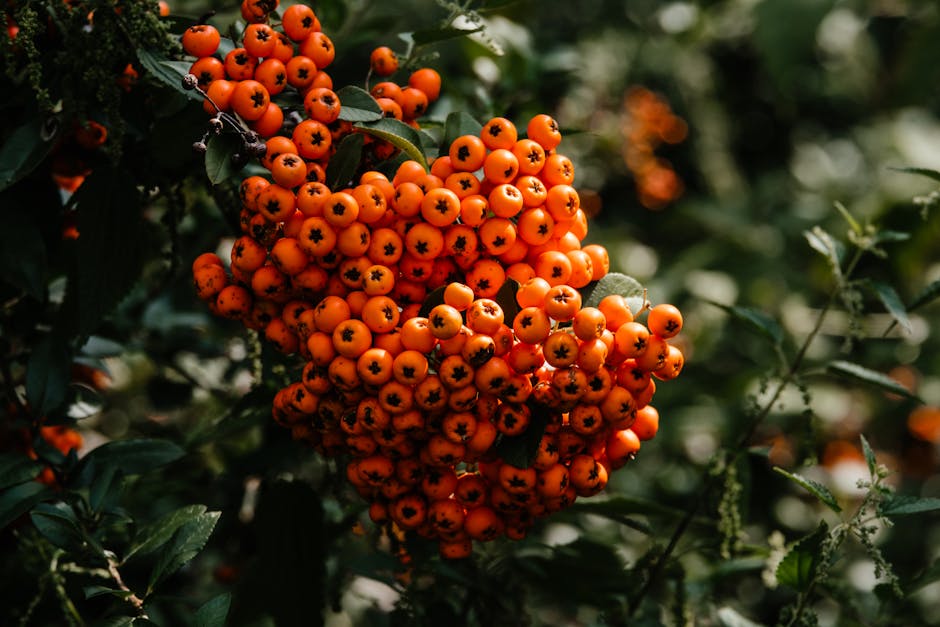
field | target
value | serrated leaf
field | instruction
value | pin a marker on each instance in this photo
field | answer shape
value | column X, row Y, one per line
column 432, row 300
column 827, row 246
column 799, row 565
column 520, row 450
column 168, row 72
column 23, row 150
column 220, row 150
column 457, row 125
column 903, row 505
column 931, row 174
column 96, row 591
column 23, row 254
column 398, row 134
column 755, row 320
column 927, row 295
column 434, row 35
column 818, row 490
column 187, row 542
column 154, row 535
column 19, row 499
column 614, row 283
column 869, row 455
column 506, row 299
column 345, row 162
column 132, row 457
column 873, row 378
column 57, row 523
column 358, row 105
column 48, row 374
column 17, row 468
column 110, row 252
column 214, row 612
column 892, row 302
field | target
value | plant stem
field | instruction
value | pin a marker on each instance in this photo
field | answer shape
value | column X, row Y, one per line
column 709, row 479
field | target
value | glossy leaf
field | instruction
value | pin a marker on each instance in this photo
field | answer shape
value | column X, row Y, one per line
column 892, row 302
column 58, row 524
column 926, row 296
column 154, row 535
column 357, row 105
column 19, row 499
column 133, row 457
column 398, row 134
column 16, row 468
column 168, row 72
column 48, row 374
column 344, row 164
column 214, row 612
column 875, row 379
column 614, row 283
column 23, row 150
column 187, row 542
column 220, row 150
column 755, row 320
column 456, row 125
column 520, row 450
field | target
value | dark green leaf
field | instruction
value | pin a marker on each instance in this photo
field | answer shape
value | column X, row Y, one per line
column 882, row 237
column 57, row 523
column 16, row 468
column 109, row 255
column 614, row 283
column 755, row 320
column 892, row 302
column 456, row 125
column 22, row 151
column 506, row 299
column 23, row 254
column 931, row 174
column 902, row 505
column 434, row 35
column 115, row 621
column 344, row 164
column 398, row 134
column 105, row 488
column 615, row 509
column 798, row 568
column 432, row 300
column 133, row 457
column 20, row 499
column 818, row 490
column 869, row 455
column 168, row 72
column 250, row 410
column 925, row 578
column 357, row 105
column 154, row 535
column 48, row 374
column 214, row 612
column 864, row 375
column 520, row 450
column 927, row 295
column 187, row 542
column 97, row 591
column 220, row 151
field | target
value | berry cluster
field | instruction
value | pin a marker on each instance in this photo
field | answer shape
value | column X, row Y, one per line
column 449, row 359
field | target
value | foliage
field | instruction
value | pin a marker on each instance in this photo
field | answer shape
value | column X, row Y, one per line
column 793, row 480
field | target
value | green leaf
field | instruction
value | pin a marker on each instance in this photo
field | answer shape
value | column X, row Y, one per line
column 20, row 499
column 110, row 252
column 154, row 535
column 616, row 509
column 755, row 320
column 729, row 617
column 23, row 150
column 251, row 410
column 892, row 302
column 214, row 612
column 853, row 223
column 344, row 164
column 798, row 568
column 97, row 591
column 17, row 468
column 23, row 254
column 818, row 490
column 48, row 374
column 457, row 125
column 927, row 295
column 105, row 488
column 133, row 457
column 58, row 524
column 931, row 174
column 882, row 237
column 187, row 542
column 432, row 300
column 434, row 35
column 220, row 151
column 520, row 450
column 827, row 246
column 903, row 505
column 614, row 283
column 398, row 134
column 358, row 105
column 170, row 73
column 861, row 374
column 506, row 299
column 869, row 455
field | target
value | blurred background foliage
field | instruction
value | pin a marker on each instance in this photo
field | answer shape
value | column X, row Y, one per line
column 708, row 138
